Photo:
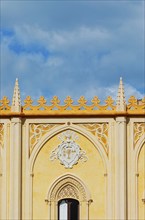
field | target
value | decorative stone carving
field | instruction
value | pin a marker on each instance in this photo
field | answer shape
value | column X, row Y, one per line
column 68, row 191
column 68, row 106
column 82, row 107
column 68, row 152
column 1, row 135
column 16, row 102
column 55, row 107
column 139, row 130
column 77, row 190
column 37, row 131
column 100, row 130
column 4, row 105
column 120, row 102
column 136, row 106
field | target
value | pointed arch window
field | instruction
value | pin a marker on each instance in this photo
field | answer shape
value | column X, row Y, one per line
column 68, row 199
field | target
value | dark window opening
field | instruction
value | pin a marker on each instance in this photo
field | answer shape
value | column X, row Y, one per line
column 68, row 209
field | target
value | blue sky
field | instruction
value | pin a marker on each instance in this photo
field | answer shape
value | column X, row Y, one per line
column 72, row 48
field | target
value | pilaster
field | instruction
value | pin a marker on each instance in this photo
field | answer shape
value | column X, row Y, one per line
column 4, row 171
column 121, row 167
column 15, row 169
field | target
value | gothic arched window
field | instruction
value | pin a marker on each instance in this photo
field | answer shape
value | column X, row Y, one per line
column 68, row 199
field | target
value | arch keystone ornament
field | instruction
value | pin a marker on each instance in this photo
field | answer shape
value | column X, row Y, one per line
column 68, row 152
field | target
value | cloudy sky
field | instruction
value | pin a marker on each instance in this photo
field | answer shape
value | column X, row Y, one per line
column 72, row 48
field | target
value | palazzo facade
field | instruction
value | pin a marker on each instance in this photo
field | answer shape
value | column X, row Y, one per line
column 72, row 161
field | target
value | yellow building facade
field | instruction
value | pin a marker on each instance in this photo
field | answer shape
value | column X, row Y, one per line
column 72, row 161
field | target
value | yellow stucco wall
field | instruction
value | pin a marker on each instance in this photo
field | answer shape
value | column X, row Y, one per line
column 90, row 172
column 141, row 183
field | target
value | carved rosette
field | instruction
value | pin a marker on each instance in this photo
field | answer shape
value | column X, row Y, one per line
column 139, row 130
column 68, row 152
column 100, row 130
column 37, row 131
column 1, row 135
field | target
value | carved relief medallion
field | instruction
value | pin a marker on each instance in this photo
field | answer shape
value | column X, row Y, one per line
column 68, row 152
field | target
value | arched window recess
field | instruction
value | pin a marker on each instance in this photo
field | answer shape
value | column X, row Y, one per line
column 68, row 199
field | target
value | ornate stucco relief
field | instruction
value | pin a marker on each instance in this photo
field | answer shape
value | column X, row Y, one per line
column 1, row 135
column 76, row 189
column 100, row 130
column 68, row 152
column 37, row 131
column 68, row 191
column 139, row 130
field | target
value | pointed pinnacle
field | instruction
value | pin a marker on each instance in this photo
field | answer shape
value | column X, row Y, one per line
column 16, row 102
column 120, row 102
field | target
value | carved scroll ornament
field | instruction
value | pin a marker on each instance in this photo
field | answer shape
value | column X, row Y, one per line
column 139, row 130
column 37, row 131
column 100, row 130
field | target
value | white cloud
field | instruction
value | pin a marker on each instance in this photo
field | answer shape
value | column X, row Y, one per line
column 86, row 54
column 132, row 91
column 104, row 92
column 60, row 40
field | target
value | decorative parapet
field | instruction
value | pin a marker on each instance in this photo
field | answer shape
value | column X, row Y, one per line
column 4, row 106
column 68, row 107
column 134, row 106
